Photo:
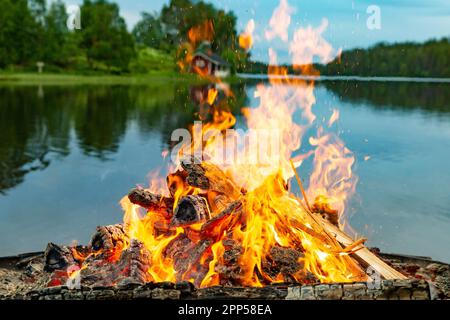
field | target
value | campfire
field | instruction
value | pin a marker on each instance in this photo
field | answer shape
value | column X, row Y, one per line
column 253, row 204
column 210, row 231
column 226, row 214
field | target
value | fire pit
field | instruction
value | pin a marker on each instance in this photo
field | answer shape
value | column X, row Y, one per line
column 225, row 221
column 190, row 244
column 23, row 278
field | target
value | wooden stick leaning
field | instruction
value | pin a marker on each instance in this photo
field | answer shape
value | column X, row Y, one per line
column 355, row 267
column 363, row 254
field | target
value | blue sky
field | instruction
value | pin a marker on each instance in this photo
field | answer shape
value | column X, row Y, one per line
column 401, row 20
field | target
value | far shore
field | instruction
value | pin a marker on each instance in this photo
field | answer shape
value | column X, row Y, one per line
column 344, row 78
column 162, row 77
column 96, row 79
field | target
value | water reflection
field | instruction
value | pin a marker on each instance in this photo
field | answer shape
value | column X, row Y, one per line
column 401, row 96
column 73, row 152
column 38, row 121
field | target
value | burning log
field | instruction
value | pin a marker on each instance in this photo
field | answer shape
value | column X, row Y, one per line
column 109, row 238
column 176, row 181
column 224, row 221
column 364, row 256
column 321, row 207
column 134, row 263
column 191, row 209
column 288, row 263
column 195, row 173
column 58, row 258
column 152, row 202
column 131, row 267
column 229, row 269
column 180, row 252
column 192, row 268
column 186, row 255
column 207, row 176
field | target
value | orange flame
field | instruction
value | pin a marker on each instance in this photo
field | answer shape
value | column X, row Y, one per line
column 246, row 38
column 196, row 35
column 212, row 277
column 202, row 32
column 212, row 95
column 271, row 215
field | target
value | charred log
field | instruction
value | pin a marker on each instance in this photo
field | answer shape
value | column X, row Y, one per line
column 224, row 221
column 109, row 238
column 178, row 249
column 208, row 176
column 327, row 213
column 134, row 263
column 152, row 202
column 186, row 255
column 192, row 267
column 229, row 268
column 195, row 173
column 190, row 210
column 131, row 267
column 58, row 258
column 287, row 263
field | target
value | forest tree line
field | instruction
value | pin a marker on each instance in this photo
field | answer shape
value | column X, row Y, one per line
column 409, row 59
column 32, row 31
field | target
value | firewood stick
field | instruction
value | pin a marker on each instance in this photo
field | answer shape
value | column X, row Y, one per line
column 208, row 176
column 366, row 257
column 330, row 239
column 354, row 245
column 234, row 211
column 298, row 225
column 363, row 253
column 152, row 202
column 299, row 181
column 323, row 230
column 308, row 211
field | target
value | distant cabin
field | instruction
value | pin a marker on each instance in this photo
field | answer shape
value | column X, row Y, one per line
column 206, row 62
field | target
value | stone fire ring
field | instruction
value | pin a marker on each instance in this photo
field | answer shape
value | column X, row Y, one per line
column 388, row 290
column 15, row 273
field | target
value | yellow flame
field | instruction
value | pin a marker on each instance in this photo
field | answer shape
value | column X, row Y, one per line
column 212, row 95
column 271, row 215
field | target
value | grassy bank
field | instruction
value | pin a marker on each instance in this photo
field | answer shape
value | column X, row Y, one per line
column 77, row 79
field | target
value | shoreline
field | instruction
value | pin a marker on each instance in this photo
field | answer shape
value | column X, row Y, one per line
column 80, row 79
column 174, row 77
column 344, row 78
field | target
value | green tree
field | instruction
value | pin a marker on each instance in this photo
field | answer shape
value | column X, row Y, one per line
column 18, row 33
column 104, row 36
column 173, row 17
column 149, row 31
column 409, row 59
column 56, row 33
column 38, row 9
column 179, row 16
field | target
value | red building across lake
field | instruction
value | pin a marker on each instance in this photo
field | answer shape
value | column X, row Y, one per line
column 206, row 62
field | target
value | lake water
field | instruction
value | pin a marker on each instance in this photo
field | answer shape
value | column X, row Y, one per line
column 68, row 154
